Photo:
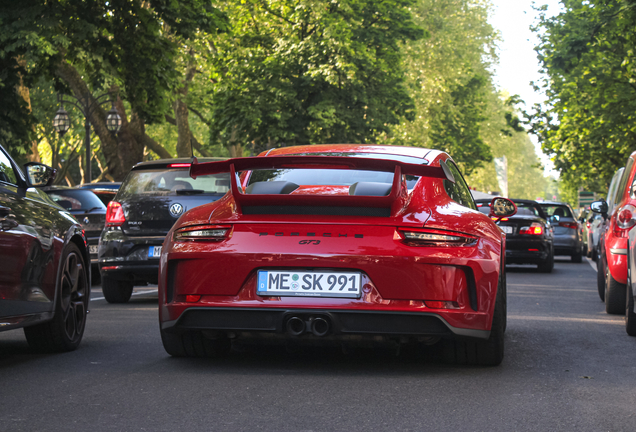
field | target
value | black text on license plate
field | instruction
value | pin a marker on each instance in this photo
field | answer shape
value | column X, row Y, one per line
column 154, row 251
column 309, row 283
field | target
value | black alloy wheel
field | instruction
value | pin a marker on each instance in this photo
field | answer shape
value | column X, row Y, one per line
column 64, row 332
column 630, row 316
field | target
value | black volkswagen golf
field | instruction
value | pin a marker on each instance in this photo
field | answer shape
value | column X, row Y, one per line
column 529, row 236
column 150, row 200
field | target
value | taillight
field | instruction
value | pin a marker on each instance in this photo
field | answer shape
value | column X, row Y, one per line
column 535, row 229
column 202, row 233
column 115, row 214
column 588, row 225
column 435, row 238
column 179, row 165
column 495, row 218
column 625, row 217
column 571, row 225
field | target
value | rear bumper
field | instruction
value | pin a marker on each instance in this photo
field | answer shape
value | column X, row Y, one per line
column 339, row 322
column 527, row 251
column 131, row 271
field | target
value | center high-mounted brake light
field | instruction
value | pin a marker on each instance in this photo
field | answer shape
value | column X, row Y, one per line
column 202, row 233
column 535, row 229
column 115, row 214
column 426, row 237
column 179, row 165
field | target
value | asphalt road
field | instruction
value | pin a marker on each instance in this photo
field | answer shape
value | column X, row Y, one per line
column 568, row 367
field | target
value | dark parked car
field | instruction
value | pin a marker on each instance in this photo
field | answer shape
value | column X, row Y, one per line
column 87, row 208
column 566, row 230
column 44, row 279
column 150, row 200
column 105, row 191
column 528, row 234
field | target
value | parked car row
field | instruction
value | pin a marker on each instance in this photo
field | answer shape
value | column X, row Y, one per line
column 615, row 250
column 538, row 232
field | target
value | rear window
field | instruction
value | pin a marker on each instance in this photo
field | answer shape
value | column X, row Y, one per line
column 167, row 182
column 75, row 200
column 523, row 209
column 557, row 210
column 336, row 177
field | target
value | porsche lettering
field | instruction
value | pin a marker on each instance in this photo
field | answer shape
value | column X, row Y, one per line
column 309, row 234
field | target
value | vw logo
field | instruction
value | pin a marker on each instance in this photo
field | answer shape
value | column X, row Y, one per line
column 176, row 209
column 86, row 220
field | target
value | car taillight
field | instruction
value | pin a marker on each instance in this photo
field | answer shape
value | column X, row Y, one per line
column 625, row 219
column 201, row 233
column 435, row 238
column 115, row 214
column 588, row 225
column 535, row 229
column 495, row 218
column 571, row 225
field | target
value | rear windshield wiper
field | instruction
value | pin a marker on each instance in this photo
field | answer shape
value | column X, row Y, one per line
column 88, row 211
column 190, row 191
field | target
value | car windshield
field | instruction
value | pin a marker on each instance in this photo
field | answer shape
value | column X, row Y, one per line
column 335, row 177
column 172, row 182
column 523, row 209
column 77, row 200
column 561, row 211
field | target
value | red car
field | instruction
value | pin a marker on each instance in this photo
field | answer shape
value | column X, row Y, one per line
column 337, row 243
column 621, row 218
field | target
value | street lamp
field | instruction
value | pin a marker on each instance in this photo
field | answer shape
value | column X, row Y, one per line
column 87, row 106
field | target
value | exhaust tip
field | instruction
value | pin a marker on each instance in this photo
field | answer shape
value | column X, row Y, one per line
column 320, row 326
column 295, row 326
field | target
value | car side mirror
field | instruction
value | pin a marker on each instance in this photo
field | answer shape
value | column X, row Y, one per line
column 600, row 207
column 39, row 175
column 501, row 207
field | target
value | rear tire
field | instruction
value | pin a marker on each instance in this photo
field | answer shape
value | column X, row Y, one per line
column 614, row 295
column 116, row 291
column 577, row 256
column 488, row 352
column 194, row 344
column 600, row 278
column 64, row 332
column 548, row 265
column 630, row 316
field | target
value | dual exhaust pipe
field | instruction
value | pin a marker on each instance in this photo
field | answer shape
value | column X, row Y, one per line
column 296, row 326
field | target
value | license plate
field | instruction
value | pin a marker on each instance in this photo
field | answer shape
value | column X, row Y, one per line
column 154, row 251
column 309, row 283
column 507, row 229
column 92, row 249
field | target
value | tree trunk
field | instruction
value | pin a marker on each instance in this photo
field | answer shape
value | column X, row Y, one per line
column 120, row 151
column 184, row 141
column 26, row 95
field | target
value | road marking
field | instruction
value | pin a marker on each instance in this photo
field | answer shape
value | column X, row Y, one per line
column 592, row 264
column 133, row 294
column 565, row 319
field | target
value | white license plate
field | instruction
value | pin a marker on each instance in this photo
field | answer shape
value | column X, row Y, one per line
column 92, row 249
column 154, row 251
column 309, row 283
column 507, row 229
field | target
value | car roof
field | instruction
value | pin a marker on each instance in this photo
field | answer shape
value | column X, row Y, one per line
column 416, row 152
column 63, row 188
column 163, row 163
column 553, row 203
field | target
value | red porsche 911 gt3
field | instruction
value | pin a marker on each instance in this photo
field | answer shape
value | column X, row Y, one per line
column 337, row 243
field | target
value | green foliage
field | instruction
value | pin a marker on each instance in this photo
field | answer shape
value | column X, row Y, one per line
column 120, row 42
column 299, row 72
column 448, row 78
column 589, row 124
column 15, row 119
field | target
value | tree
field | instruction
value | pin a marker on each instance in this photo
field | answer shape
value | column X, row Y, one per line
column 127, row 46
column 587, row 54
column 313, row 71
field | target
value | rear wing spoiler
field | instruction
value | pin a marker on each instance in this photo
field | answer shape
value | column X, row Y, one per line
column 236, row 165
